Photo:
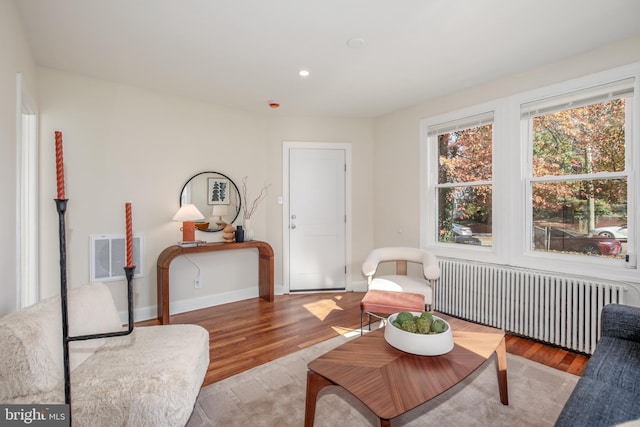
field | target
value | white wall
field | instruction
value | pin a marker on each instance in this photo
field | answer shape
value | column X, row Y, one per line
column 15, row 58
column 397, row 135
column 122, row 143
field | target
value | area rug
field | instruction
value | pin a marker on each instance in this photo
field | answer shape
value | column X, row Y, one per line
column 273, row 394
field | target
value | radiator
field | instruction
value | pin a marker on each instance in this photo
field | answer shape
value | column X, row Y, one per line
column 553, row 308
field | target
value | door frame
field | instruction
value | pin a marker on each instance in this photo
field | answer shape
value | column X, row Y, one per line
column 286, row 146
column 27, row 198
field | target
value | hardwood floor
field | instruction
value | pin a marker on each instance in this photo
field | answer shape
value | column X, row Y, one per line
column 248, row 333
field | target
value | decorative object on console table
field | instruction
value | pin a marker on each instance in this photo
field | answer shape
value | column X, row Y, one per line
column 248, row 209
column 248, row 230
column 239, row 234
column 188, row 214
column 228, row 235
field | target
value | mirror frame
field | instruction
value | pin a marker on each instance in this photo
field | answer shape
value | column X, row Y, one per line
column 232, row 188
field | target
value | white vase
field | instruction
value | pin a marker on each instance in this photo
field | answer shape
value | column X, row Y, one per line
column 248, row 230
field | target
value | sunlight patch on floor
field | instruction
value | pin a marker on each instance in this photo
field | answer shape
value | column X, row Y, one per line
column 321, row 309
column 346, row 332
column 350, row 333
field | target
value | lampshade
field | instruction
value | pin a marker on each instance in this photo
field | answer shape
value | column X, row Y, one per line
column 188, row 212
column 219, row 210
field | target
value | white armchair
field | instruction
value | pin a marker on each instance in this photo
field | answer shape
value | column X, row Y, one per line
column 401, row 282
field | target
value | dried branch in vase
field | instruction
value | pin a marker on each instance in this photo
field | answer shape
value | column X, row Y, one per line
column 249, row 208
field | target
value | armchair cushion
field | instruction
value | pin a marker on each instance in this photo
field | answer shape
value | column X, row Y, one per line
column 399, row 283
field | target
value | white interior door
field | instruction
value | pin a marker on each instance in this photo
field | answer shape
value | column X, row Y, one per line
column 317, row 219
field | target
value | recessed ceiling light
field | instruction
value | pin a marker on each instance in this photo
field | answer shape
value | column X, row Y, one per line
column 355, row 43
column 303, row 73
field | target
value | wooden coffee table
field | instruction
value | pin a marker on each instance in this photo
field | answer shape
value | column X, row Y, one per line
column 391, row 382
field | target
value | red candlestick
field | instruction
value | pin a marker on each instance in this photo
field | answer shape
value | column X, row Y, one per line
column 129, row 235
column 59, row 165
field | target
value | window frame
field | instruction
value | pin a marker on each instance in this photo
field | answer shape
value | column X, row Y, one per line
column 434, row 133
column 583, row 97
column 512, row 216
column 430, row 185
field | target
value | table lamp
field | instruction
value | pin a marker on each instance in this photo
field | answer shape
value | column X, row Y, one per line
column 218, row 212
column 188, row 214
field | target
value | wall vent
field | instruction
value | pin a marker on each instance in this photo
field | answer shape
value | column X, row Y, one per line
column 108, row 257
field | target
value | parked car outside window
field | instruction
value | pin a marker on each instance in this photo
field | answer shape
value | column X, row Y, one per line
column 464, row 235
column 566, row 240
column 618, row 232
column 461, row 230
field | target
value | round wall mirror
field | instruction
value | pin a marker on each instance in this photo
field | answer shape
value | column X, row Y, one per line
column 216, row 196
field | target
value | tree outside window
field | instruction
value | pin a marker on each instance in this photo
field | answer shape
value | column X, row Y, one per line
column 464, row 189
column 578, row 183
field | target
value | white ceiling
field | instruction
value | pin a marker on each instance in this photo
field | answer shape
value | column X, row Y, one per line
column 244, row 53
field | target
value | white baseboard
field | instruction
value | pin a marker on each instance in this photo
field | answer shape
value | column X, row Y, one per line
column 360, row 286
column 151, row 312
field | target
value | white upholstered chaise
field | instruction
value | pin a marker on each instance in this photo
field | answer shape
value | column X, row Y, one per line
column 150, row 377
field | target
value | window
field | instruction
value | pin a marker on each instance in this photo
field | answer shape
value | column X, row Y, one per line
column 544, row 179
column 463, row 189
column 577, row 181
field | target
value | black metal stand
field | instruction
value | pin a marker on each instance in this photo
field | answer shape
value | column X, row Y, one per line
column 61, row 205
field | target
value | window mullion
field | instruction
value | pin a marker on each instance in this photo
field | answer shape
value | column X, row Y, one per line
column 463, row 184
column 580, row 177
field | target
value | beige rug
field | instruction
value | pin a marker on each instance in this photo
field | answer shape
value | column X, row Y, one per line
column 274, row 395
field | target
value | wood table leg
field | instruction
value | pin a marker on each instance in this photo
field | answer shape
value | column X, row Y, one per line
column 384, row 422
column 315, row 383
column 501, row 352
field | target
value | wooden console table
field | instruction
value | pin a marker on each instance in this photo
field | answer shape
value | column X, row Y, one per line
column 265, row 269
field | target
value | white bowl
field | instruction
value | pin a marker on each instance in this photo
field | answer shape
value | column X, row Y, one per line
column 421, row 344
